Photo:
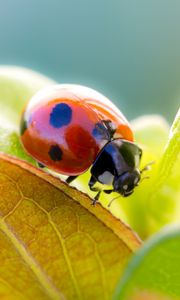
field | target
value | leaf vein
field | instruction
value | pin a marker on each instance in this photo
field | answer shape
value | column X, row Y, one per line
column 48, row 287
column 67, row 259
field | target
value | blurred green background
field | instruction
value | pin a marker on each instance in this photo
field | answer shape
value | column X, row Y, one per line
column 129, row 50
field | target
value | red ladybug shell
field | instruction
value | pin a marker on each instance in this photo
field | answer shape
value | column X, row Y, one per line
column 62, row 127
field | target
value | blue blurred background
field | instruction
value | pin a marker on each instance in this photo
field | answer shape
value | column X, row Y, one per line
column 129, row 50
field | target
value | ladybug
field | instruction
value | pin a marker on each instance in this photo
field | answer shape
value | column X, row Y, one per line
column 70, row 128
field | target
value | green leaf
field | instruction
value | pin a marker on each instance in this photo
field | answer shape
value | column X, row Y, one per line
column 163, row 204
column 17, row 85
column 154, row 272
column 171, row 154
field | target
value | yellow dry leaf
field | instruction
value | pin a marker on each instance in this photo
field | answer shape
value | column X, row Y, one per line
column 53, row 243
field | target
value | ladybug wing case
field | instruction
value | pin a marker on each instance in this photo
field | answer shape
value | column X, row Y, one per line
column 64, row 127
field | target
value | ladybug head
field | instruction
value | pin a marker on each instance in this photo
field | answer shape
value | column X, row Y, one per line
column 126, row 182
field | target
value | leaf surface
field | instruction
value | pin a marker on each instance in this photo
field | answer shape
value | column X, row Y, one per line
column 154, row 272
column 54, row 243
column 163, row 197
column 17, row 86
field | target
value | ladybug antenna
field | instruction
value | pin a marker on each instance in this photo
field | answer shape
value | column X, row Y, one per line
column 147, row 167
column 113, row 200
column 145, row 177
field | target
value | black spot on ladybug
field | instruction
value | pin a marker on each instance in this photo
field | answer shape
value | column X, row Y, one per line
column 55, row 153
column 61, row 115
column 23, row 126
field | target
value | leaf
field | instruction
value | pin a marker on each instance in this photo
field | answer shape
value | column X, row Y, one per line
column 54, row 243
column 171, row 153
column 164, row 204
column 17, row 85
column 154, row 272
column 151, row 132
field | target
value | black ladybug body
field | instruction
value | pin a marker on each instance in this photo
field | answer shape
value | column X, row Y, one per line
column 117, row 165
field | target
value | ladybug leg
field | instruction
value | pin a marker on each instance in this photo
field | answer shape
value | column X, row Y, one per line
column 91, row 184
column 96, row 198
column 40, row 165
column 70, row 179
column 108, row 191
